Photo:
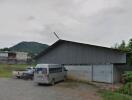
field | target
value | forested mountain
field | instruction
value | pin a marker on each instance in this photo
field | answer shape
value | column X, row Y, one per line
column 32, row 48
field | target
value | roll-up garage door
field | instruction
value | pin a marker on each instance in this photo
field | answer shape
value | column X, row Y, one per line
column 103, row 73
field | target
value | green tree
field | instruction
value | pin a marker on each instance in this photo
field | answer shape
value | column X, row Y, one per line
column 126, row 48
column 115, row 46
column 5, row 49
column 122, row 46
column 130, row 45
column 129, row 53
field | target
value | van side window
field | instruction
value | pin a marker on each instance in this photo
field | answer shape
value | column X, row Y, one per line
column 55, row 70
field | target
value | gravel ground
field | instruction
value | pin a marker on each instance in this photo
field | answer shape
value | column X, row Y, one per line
column 14, row 89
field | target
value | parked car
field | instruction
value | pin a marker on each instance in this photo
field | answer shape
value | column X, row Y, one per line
column 23, row 73
column 28, row 74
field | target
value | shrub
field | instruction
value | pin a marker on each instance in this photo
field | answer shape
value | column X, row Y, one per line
column 108, row 95
column 127, row 77
column 126, row 89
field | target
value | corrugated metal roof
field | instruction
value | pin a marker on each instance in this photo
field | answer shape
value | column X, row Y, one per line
column 63, row 41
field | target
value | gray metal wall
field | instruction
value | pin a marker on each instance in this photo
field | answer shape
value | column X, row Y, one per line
column 103, row 73
column 118, row 71
column 70, row 53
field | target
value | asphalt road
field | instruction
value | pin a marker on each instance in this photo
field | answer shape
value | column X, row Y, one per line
column 15, row 89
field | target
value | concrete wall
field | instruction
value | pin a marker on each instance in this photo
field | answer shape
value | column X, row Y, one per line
column 21, row 56
column 13, row 62
column 3, row 54
column 79, row 72
column 13, row 57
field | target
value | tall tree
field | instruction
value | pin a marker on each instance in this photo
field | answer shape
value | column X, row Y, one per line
column 126, row 48
column 5, row 49
column 122, row 46
column 130, row 45
column 129, row 54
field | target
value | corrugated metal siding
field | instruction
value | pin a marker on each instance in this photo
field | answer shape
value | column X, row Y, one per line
column 69, row 53
column 118, row 72
column 103, row 73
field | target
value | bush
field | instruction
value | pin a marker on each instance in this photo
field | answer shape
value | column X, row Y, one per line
column 108, row 95
column 127, row 77
column 126, row 89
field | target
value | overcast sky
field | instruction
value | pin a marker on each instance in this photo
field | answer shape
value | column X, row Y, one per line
column 99, row 22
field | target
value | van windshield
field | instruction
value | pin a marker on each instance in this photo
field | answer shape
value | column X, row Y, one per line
column 41, row 70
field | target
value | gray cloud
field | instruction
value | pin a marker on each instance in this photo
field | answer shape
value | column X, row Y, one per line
column 101, row 22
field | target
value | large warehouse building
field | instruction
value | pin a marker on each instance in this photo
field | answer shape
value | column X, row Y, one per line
column 85, row 61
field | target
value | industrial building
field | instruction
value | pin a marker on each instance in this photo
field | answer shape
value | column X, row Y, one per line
column 86, row 62
column 10, row 57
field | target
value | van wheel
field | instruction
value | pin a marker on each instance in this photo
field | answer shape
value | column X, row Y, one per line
column 53, row 82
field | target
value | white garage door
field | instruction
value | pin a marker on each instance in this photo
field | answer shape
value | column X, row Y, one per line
column 103, row 73
column 79, row 72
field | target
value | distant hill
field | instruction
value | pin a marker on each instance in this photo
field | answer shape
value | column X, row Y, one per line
column 32, row 48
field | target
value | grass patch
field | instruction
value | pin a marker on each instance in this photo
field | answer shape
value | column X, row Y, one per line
column 108, row 95
column 6, row 70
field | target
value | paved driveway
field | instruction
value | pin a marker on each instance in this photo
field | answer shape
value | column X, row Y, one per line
column 13, row 89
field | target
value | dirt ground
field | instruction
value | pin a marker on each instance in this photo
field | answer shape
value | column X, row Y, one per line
column 14, row 89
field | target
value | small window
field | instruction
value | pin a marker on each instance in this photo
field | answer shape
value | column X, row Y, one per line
column 55, row 70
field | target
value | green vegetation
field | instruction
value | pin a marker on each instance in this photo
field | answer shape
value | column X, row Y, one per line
column 33, row 48
column 126, row 89
column 123, row 93
column 6, row 70
column 108, row 95
column 127, row 77
column 126, row 47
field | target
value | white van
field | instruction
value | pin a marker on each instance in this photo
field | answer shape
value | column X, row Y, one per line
column 49, row 73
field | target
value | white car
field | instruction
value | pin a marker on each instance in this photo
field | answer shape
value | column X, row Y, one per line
column 20, row 73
